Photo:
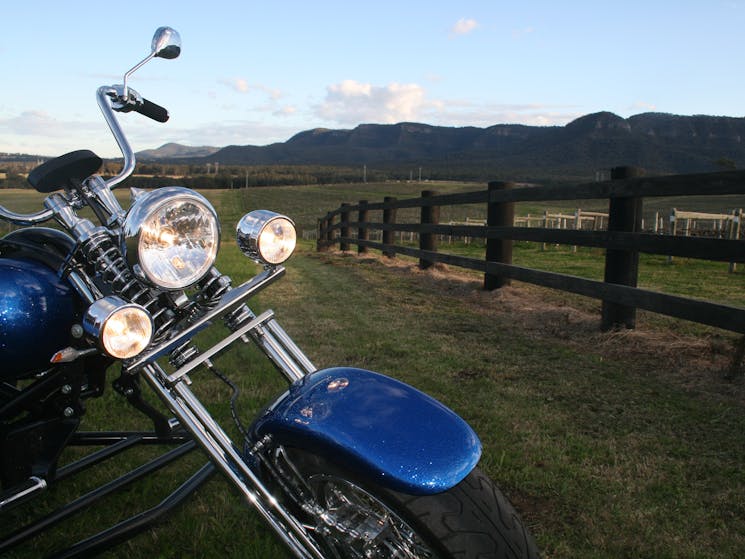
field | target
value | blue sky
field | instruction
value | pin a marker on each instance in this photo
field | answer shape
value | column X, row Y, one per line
column 259, row 72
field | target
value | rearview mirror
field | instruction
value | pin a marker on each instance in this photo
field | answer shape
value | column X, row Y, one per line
column 166, row 43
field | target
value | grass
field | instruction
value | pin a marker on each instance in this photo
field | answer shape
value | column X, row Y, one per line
column 607, row 454
column 619, row 444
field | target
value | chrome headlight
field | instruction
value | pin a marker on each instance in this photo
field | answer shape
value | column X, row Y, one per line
column 171, row 236
column 266, row 237
column 122, row 329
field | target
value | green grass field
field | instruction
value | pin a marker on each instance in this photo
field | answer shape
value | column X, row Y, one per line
column 619, row 444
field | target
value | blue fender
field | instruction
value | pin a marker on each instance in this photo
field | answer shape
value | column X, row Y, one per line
column 375, row 426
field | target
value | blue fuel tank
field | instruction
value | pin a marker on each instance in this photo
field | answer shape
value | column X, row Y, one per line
column 37, row 310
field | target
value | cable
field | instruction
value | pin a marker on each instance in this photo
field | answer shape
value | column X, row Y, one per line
column 233, row 399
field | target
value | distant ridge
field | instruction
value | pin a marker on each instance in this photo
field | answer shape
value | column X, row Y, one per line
column 659, row 142
column 175, row 151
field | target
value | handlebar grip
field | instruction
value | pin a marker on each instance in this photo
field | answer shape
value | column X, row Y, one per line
column 152, row 110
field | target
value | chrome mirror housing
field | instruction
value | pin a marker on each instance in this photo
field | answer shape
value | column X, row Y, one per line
column 166, row 43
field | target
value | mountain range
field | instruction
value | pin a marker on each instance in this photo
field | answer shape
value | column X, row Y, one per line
column 661, row 143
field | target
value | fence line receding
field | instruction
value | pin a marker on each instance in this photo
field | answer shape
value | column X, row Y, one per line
column 621, row 235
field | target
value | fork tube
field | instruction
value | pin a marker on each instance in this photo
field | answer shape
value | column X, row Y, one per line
column 277, row 354
column 280, row 334
column 210, row 436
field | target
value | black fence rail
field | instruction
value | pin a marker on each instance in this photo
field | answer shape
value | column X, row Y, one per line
column 623, row 240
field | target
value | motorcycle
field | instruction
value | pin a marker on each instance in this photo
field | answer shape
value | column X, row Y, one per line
column 345, row 463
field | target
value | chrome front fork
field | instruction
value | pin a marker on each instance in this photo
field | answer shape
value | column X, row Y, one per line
column 216, row 443
column 173, row 389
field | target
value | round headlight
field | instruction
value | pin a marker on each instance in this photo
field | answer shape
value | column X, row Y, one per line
column 266, row 236
column 171, row 236
column 122, row 329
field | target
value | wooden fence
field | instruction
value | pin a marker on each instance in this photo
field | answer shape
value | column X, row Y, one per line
column 623, row 239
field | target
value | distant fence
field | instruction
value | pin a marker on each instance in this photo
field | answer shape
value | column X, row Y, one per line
column 623, row 239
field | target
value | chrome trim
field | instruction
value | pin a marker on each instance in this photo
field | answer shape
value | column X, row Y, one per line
column 80, row 228
column 98, row 313
column 202, row 357
column 216, row 443
column 291, row 347
column 166, row 43
column 25, row 219
column 142, row 208
column 228, row 302
column 103, row 195
column 36, row 484
column 249, row 228
column 81, row 287
column 105, row 95
column 279, row 354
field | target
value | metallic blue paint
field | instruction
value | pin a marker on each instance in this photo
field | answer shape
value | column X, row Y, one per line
column 37, row 310
column 376, row 426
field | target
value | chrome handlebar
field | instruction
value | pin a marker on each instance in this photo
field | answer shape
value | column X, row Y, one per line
column 166, row 43
column 105, row 96
column 26, row 219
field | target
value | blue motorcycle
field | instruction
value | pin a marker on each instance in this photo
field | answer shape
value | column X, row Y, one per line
column 346, row 463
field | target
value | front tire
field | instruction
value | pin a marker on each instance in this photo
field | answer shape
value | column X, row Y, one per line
column 353, row 518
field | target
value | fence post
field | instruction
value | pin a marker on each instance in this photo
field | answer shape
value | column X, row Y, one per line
column 622, row 266
column 734, row 234
column 344, row 234
column 673, row 229
column 325, row 234
column 362, row 231
column 329, row 232
column 428, row 241
column 319, row 236
column 498, row 214
column 389, row 218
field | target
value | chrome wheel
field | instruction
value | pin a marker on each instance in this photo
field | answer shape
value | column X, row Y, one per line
column 354, row 523
column 350, row 517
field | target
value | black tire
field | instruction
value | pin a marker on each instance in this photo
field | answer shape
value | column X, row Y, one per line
column 473, row 520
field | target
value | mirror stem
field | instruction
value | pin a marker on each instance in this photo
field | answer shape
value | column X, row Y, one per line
column 125, row 89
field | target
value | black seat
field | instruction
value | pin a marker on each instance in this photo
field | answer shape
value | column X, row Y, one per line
column 59, row 172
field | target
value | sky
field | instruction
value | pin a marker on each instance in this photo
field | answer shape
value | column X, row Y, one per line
column 258, row 72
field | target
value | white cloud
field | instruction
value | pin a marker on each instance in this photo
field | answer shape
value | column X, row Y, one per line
column 464, row 26
column 224, row 133
column 458, row 113
column 287, row 110
column 33, row 123
column 237, row 84
column 241, row 85
column 273, row 93
column 36, row 132
column 39, row 133
column 352, row 102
